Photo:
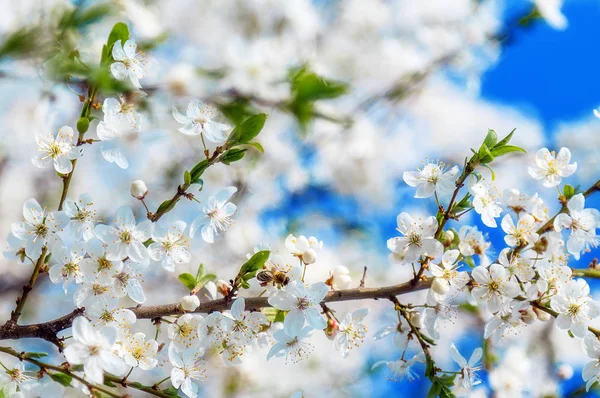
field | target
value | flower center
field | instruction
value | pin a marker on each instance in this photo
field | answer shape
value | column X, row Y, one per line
column 126, row 237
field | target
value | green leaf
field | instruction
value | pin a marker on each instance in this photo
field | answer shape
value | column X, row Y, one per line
column 35, row 355
column 200, row 283
column 171, row 391
column 308, row 86
column 232, row 155
column 237, row 111
column 109, row 383
column 490, row 139
column 245, row 132
column 568, row 191
column 187, row 178
column 135, row 384
column 119, row 32
column 188, row 280
column 491, row 171
column 199, row 169
column 62, row 378
column 469, row 261
column 503, row 150
column 435, row 389
column 257, row 146
column 166, row 206
column 506, row 139
column 484, row 154
column 255, row 263
column 201, row 271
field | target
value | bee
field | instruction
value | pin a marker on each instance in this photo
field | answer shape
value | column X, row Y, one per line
column 274, row 276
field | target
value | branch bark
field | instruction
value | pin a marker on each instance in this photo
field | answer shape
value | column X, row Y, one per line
column 49, row 330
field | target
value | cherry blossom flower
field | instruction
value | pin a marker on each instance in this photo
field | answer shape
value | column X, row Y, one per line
column 139, row 352
column 109, row 314
column 517, row 265
column 170, row 246
column 352, row 331
column 508, row 318
column 303, row 248
column 575, row 307
column 13, row 379
column 40, row 227
column 440, row 309
column 397, row 327
column 472, row 241
column 187, row 367
column 129, row 65
column 433, row 178
column 550, row 10
column 447, row 270
column 199, row 119
column 468, row 376
column 83, row 216
column 210, row 330
column 303, row 303
column 521, row 234
column 184, row 332
column 582, row 223
column 418, row 238
column 65, row 264
column 486, row 203
column 123, row 109
column 494, row 286
column 124, row 238
column 242, row 325
column 552, row 167
column 97, row 264
column 15, row 249
column 293, row 348
column 339, row 278
column 58, row 150
column 127, row 281
column 217, row 215
column 591, row 371
column 401, row 369
column 94, row 350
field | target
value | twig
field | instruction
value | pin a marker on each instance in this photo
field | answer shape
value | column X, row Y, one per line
column 364, row 277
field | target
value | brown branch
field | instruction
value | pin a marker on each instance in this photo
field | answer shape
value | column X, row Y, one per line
column 48, row 330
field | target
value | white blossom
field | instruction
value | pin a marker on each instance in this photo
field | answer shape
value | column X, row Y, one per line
column 352, row 331
column 187, row 367
column 418, row 238
column 129, row 64
column 433, row 178
column 447, row 272
column 306, row 249
column 217, row 215
column 493, row 286
column 521, row 234
column 124, row 238
column 83, row 216
column 139, row 352
column 199, row 119
column 582, row 223
column 552, row 167
column 94, row 350
column 467, row 377
column 293, row 348
column 58, row 150
column 40, row 227
column 303, row 302
column 575, row 307
column 65, row 264
column 400, row 369
column 184, row 332
column 170, row 246
column 486, row 203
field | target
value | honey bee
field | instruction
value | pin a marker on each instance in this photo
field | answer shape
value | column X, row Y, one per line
column 273, row 276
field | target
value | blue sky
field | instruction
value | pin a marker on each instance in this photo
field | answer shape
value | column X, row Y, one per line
column 550, row 74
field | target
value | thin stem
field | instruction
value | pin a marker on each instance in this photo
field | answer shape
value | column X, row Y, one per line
column 14, row 316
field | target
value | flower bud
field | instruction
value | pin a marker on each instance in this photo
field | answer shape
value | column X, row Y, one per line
column 138, row 189
column 223, row 287
column 542, row 315
column 528, row 316
column 564, row 371
column 190, row 303
column 440, row 286
column 416, row 319
column 448, row 238
column 309, row 256
column 332, row 328
column 83, row 124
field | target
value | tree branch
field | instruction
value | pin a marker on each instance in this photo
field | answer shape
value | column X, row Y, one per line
column 48, row 330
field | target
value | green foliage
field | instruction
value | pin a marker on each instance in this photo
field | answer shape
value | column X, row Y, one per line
column 35, row 355
column 308, row 87
column 568, row 191
column 195, row 283
column 83, row 124
column 171, row 392
column 232, row 155
column 491, row 148
column 166, row 206
column 237, row 111
column 249, row 269
column 62, row 378
column 244, row 134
